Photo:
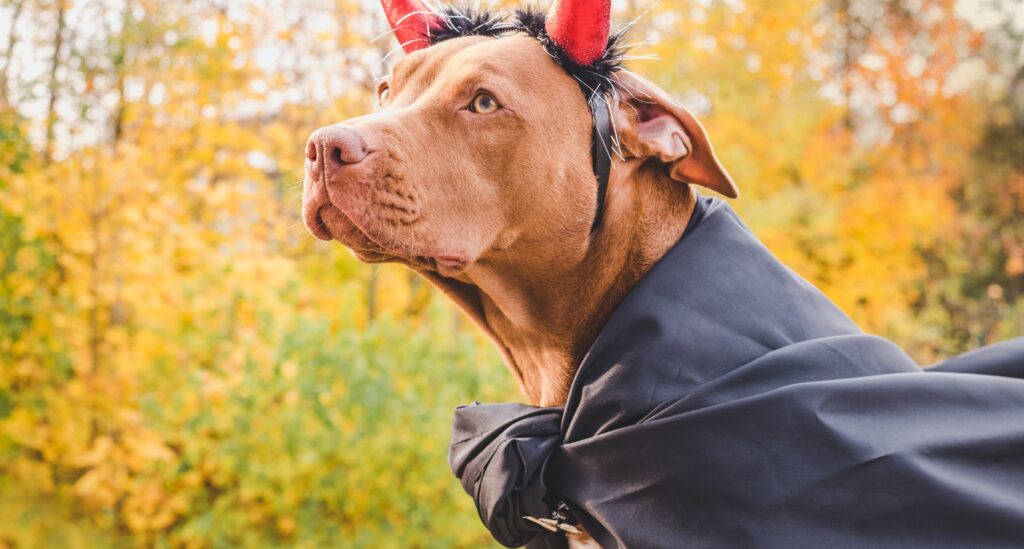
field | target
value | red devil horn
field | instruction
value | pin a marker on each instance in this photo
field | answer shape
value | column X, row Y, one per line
column 412, row 21
column 580, row 28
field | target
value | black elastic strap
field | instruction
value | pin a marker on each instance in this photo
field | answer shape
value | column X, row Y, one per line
column 601, row 151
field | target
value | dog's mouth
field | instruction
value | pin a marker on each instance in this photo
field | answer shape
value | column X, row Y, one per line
column 331, row 223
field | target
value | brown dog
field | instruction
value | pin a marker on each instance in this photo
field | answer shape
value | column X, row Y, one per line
column 476, row 172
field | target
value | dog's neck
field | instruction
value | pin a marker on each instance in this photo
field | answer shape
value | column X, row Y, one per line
column 544, row 309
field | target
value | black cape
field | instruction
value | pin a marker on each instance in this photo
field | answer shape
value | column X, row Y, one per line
column 728, row 403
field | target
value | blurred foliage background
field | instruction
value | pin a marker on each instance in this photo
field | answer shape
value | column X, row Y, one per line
column 182, row 366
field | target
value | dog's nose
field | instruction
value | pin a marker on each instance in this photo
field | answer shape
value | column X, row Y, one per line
column 333, row 147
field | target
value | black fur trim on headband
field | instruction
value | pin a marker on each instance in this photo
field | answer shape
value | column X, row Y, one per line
column 458, row 22
column 593, row 79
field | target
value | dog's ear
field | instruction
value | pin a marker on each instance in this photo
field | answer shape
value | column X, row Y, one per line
column 652, row 124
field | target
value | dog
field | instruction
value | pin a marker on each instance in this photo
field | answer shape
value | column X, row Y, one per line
column 478, row 171
column 475, row 172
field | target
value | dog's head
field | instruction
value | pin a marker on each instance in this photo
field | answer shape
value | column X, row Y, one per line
column 482, row 145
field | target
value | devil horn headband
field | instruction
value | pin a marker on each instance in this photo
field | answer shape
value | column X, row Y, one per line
column 579, row 27
column 412, row 22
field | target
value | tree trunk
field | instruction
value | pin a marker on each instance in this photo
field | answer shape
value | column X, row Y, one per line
column 847, row 68
column 51, row 116
column 12, row 39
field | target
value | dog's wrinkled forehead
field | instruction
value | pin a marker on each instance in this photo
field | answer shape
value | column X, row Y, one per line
column 461, row 59
column 459, row 66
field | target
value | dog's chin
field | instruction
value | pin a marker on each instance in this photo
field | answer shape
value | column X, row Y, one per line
column 335, row 225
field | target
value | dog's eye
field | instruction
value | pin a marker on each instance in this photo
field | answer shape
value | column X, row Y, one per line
column 483, row 103
column 382, row 93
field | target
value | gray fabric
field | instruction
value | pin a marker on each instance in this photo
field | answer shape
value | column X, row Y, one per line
column 510, row 443
column 727, row 403
column 998, row 359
